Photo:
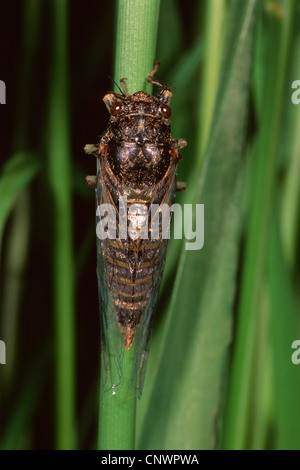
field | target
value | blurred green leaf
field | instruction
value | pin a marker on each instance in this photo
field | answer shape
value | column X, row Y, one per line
column 239, row 412
column 170, row 25
column 58, row 145
column 290, row 156
column 16, row 174
column 181, row 408
column 284, row 330
column 18, row 431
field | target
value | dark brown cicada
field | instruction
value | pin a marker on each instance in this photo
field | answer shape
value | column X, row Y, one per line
column 136, row 178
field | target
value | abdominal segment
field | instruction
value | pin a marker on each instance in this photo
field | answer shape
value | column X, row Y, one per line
column 131, row 272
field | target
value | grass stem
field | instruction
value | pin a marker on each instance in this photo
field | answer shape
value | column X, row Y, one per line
column 63, row 261
column 135, row 53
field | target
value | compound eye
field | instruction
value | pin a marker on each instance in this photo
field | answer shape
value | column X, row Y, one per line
column 165, row 110
column 116, row 108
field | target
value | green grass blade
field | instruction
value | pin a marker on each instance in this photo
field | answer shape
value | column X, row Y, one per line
column 214, row 39
column 236, row 418
column 136, row 35
column 13, row 278
column 59, row 174
column 284, row 330
column 17, row 173
column 291, row 186
column 185, row 399
column 169, row 25
column 117, row 414
column 135, row 53
column 17, row 432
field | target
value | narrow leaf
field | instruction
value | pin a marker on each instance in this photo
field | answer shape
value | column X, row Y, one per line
column 186, row 396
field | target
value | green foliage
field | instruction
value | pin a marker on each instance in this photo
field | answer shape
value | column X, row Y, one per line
column 220, row 373
column 16, row 174
column 207, row 277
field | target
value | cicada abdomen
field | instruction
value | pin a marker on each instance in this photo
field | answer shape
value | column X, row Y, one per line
column 135, row 188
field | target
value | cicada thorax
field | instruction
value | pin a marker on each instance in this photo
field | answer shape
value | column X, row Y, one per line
column 139, row 142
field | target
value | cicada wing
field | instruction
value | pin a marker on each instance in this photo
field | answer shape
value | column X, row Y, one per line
column 112, row 348
column 143, row 334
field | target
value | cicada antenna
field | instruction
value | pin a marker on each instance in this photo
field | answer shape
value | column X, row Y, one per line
column 123, row 93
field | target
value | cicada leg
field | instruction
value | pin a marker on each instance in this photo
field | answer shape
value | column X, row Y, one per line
column 91, row 181
column 153, row 80
column 91, row 149
column 180, row 186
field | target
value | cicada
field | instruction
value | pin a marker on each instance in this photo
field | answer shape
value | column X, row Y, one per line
column 137, row 160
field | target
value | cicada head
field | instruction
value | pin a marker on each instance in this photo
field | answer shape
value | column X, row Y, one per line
column 140, row 103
